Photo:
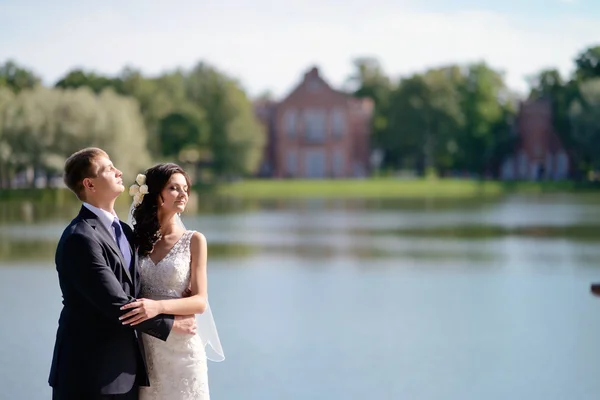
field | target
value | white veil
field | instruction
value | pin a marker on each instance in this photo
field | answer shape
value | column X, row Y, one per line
column 207, row 329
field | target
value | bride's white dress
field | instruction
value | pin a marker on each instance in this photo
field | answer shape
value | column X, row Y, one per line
column 177, row 368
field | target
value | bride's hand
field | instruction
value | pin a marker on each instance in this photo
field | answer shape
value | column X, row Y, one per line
column 141, row 310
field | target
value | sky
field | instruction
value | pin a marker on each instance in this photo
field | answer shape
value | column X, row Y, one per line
column 268, row 45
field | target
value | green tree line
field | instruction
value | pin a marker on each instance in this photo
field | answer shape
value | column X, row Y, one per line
column 200, row 117
column 462, row 117
column 455, row 118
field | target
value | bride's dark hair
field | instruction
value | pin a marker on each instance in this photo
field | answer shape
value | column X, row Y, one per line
column 146, row 226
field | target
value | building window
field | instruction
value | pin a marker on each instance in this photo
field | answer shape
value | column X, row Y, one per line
column 549, row 166
column 508, row 169
column 290, row 122
column 522, row 165
column 359, row 170
column 338, row 123
column 314, row 122
column 338, row 162
column 314, row 163
column 562, row 165
column 291, row 163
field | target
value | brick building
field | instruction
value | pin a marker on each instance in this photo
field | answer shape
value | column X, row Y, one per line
column 316, row 132
column 539, row 154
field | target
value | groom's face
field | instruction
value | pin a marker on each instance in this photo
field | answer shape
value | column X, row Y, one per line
column 108, row 182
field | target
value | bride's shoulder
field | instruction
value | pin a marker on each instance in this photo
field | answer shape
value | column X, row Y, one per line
column 197, row 240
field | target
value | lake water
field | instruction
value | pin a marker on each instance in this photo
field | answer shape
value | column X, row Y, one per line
column 321, row 299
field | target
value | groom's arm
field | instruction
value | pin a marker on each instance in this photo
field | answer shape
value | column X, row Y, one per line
column 83, row 264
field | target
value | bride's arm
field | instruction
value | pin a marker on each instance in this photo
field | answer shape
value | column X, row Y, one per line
column 196, row 302
column 143, row 309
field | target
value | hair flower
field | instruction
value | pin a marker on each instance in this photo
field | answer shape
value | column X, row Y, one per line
column 140, row 179
column 139, row 189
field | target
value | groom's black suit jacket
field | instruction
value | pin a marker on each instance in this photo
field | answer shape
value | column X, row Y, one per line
column 94, row 352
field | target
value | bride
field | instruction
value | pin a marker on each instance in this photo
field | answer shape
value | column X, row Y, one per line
column 174, row 281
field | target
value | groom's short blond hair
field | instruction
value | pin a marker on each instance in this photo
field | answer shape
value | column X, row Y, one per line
column 81, row 165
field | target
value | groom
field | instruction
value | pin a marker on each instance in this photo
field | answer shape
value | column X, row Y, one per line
column 96, row 357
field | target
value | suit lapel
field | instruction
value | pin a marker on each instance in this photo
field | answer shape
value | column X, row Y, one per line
column 107, row 237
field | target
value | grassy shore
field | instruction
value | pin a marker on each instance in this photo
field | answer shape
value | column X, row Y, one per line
column 38, row 195
column 58, row 197
column 342, row 188
column 392, row 188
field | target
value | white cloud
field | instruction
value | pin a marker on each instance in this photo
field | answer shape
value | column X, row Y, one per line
column 269, row 48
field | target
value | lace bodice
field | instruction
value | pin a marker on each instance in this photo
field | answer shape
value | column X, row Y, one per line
column 170, row 277
column 176, row 368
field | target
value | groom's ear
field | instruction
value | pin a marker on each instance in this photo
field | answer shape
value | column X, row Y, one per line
column 87, row 183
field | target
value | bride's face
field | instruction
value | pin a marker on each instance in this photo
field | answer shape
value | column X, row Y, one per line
column 175, row 194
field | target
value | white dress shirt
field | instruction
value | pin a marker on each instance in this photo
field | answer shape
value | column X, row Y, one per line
column 107, row 219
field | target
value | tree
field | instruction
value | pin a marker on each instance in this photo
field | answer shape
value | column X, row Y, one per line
column 488, row 108
column 125, row 137
column 585, row 123
column 6, row 97
column 403, row 142
column 42, row 127
column 587, row 64
column 369, row 80
column 79, row 78
column 17, row 78
column 424, row 118
column 547, row 83
column 450, row 118
column 159, row 98
column 202, row 111
column 447, row 118
column 181, row 131
column 236, row 138
column 30, row 128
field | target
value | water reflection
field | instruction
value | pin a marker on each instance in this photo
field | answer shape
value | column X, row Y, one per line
column 369, row 298
column 30, row 250
column 42, row 251
column 470, row 232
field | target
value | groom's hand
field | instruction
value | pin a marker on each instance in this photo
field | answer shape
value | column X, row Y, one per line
column 185, row 324
column 141, row 310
